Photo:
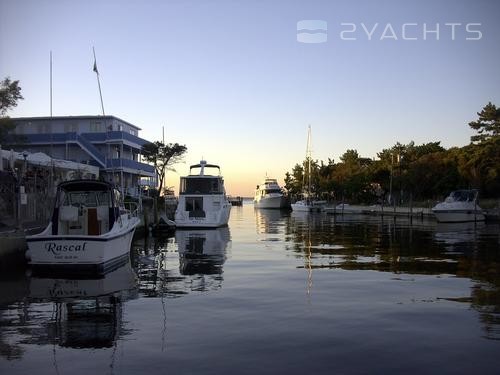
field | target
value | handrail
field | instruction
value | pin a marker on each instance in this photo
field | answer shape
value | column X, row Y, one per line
column 91, row 149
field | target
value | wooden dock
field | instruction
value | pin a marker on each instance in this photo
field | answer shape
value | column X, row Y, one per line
column 235, row 201
column 379, row 210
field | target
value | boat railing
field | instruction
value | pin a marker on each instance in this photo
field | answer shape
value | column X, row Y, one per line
column 132, row 209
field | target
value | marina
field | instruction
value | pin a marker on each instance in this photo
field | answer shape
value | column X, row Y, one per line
column 273, row 292
column 158, row 214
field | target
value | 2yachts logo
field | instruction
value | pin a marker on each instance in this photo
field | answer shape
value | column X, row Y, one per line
column 312, row 31
column 315, row 31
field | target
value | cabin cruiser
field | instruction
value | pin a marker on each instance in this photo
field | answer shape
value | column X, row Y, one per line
column 459, row 206
column 269, row 195
column 202, row 199
column 90, row 229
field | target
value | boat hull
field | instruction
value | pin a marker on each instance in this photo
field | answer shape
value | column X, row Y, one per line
column 313, row 206
column 458, row 216
column 215, row 212
column 270, row 202
column 91, row 252
column 300, row 207
column 212, row 219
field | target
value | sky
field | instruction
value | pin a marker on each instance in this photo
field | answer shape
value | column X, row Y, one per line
column 236, row 82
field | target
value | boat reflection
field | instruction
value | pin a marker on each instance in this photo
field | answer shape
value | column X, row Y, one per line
column 456, row 233
column 203, row 253
column 270, row 221
column 462, row 250
column 87, row 312
column 191, row 261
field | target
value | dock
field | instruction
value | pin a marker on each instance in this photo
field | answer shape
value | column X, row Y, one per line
column 235, row 201
column 379, row 210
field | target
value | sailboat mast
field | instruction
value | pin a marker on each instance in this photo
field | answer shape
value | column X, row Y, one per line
column 308, row 153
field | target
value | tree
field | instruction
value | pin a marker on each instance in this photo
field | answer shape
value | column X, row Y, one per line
column 10, row 93
column 163, row 156
column 488, row 124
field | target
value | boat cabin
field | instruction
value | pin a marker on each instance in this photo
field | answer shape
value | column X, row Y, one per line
column 202, row 183
column 201, row 192
column 85, row 207
column 463, row 196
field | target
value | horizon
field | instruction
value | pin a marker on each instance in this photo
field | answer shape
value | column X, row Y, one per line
column 239, row 84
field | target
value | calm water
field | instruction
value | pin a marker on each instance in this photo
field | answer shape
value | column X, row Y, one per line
column 273, row 293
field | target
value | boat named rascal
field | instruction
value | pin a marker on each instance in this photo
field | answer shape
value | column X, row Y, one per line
column 459, row 206
column 202, row 199
column 90, row 229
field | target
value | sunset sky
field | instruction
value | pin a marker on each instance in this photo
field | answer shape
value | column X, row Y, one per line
column 234, row 82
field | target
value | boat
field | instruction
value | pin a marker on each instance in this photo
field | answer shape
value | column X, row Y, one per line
column 308, row 203
column 202, row 199
column 459, row 206
column 269, row 194
column 90, row 229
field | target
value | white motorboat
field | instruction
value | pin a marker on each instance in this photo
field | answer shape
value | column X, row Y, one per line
column 308, row 203
column 90, row 229
column 202, row 199
column 459, row 206
column 269, row 195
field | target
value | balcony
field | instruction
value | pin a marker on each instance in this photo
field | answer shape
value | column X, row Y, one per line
column 136, row 166
column 116, row 136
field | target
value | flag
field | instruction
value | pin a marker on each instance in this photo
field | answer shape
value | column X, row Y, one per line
column 95, row 67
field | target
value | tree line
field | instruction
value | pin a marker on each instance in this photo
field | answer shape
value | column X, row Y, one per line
column 407, row 172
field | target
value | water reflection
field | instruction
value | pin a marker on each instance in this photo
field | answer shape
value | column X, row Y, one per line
column 270, row 221
column 192, row 261
column 405, row 247
column 82, row 312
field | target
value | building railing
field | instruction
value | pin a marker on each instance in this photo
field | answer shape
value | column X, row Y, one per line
column 115, row 135
column 91, row 149
column 130, row 164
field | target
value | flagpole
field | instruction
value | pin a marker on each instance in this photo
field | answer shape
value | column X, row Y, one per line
column 98, row 81
column 50, row 83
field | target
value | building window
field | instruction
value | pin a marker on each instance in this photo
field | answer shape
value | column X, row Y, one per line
column 96, row 127
column 44, row 128
column 70, row 127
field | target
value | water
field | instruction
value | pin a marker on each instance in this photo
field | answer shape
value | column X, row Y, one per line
column 273, row 293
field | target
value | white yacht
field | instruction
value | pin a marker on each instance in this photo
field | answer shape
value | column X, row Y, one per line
column 307, row 203
column 202, row 199
column 90, row 229
column 269, row 195
column 459, row 206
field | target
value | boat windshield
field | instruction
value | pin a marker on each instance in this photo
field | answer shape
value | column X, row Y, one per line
column 273, row 191
column 201, row 185
column 86, row 198
column 463, row 195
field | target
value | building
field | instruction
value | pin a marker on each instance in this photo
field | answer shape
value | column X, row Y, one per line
column 107, row 142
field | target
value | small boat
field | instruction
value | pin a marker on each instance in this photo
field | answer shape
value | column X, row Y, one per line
column 308, row 203
column 269, row 195
column 459, row 206
column 90, row 229
column 202, row 199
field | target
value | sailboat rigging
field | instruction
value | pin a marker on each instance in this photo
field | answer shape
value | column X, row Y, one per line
column 308, row 204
